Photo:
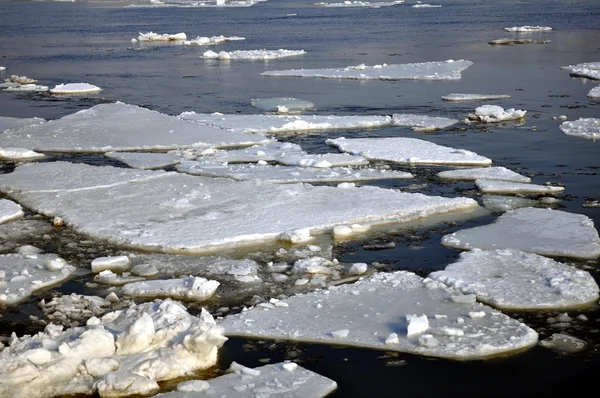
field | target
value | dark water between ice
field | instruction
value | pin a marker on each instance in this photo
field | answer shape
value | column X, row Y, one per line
column 91, row 42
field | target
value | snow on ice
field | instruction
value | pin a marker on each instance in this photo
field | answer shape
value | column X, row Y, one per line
column 10, row 211
column 495, row 113
column 492, row 173
column 75, row 88
column 496, row 186
column 473, row 97
column 583, row 127
column 252, row 54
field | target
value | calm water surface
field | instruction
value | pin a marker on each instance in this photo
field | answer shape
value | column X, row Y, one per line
column 91, row 42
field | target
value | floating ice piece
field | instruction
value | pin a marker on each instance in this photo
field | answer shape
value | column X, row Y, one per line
column 74, row 309
column 583, row 127
column 408, row 150
column 590, row 70
column 493, row 173
column 496, row 186
column 151, row 36
column 253, row 54
column 177, row 213
column 145, row 161
column 594, row 93
column 9, row 211
column 2, row 68
column 473, row 97
column 425, row 5
column 22, row 275
column 527, row 28
column 509, row 41
column 108, row 277
column 265, row 124
column 190, row 288
column 20, row 80
column 75, row 88
column 512, row 279
column 506, row 203
column 322, row 160
column 124, row 353
column 356, row 3
column 211, row 41
column 277, row 380
column 388, row 298
column 288, row 174
column 15, row 122
column 276, row 104
column 495, row 113
column 563, row 343
column 444, row 70
column 121, row 127
column 19, row 154
column 542, row 231
column 422, row 122
column 114, row 263
column 28, row 88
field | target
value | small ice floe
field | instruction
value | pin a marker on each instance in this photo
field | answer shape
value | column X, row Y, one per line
column 408, row 150
column 211, row 41
column 497, row 186
column 20, row 80
column 268, row 124
column 589, row 70
column 101, row 129
column 74, row 309
column 391, row 301
column 107, row 277
column 322, row 160
column 75, row 88
column 124, row 353
column 191, row 288
column 506, row 203
column 285, row 379
column 22, row 274
column 19, row 154
column 145, row 161
column 2, row 68
column 252, row 54
column 28, row 88
column 7, row 123
column 288, row 174
column 584, row 127
column 493, row 173
column 563, row 343
column 443, row 70
column 277, row 104
column 114, row 263
column 542, row 231
column 495, row 113
column 425, row 5
column 594, row 93
column 10, row 211
column 473, row 97
column 509, row 41
column 512, row 279
column 357, row 3
column 151, row 36
column 178, row 213
column 422, row 122
column 527, row 29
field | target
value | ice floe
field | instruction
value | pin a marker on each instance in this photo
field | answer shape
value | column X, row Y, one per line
column 506, row 203
column 151, row 36
column 285, row 379
column 20, row 80
column 211, row 41
column 22, row 275
column 528, row 28
column 473, row 97
column 282, row 104
column 443, row 70
column 583, row 127
column 19, row 154
column 594, row 93
column 408, row 150
column 28, row 88
column 379, row 311
column 425, row 5
column 563, row 343
column 114, row 263
column 2, row 68
column 10, row 211
column 590, row 70
column 357, row 3
column 288, row 174
column 16, row 122
column 422, row 122
column 542, row 231
column 495, row 113
column 494, row 173
column 121, row 127
column 509, row 41
column 265, row 124
column 75, row 88
column 123, row 353
column 512, row 279
column 146, row 161
column 497, row 186
column 174, row 212
column 252, row 54
column 190, row 288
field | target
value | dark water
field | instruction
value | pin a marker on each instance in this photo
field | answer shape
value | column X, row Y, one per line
column 91, row 42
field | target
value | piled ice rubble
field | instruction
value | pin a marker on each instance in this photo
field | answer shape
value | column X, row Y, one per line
column 590, row 70
column 584, row 127
column 252, row 54
column 151, row 36
column 74, row 309
column 495, row 113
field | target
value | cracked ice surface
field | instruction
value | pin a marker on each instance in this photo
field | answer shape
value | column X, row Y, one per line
column 124, row 353
column 9, row 211
column 265, row 124
column 120, row 127
column 408, row 150
column 378, row 312
column 542, row 231
column 583, row 127
column 512, row 279
column 444, row 70
column 496, row 186
column 146, row 161
column 252, row 54
column 173, row 212
column 493, row 173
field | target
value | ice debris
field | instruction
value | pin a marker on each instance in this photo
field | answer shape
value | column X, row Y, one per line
column 494, row 114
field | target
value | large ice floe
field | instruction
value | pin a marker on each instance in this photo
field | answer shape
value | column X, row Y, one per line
column 397, row 311
column 408, row 150
column 589, row 70
column 75, row 88
column 493, row 173
column 528, row 28
column 594, row 93
column 494, row 114
column 283, row 380
column 473, row 97
column 174, row 212
column 583, row 127
column 282, row 104
column 123, row 353
column 151, row 36
column 21, row 275
column 542, row 231
column 512, row 279
column 147, row 161
column 252, row 54
column 211, row 41
column 356, row 3
column 442, row 70
column 9, row 211
column 498, row 186
column 121, row 127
